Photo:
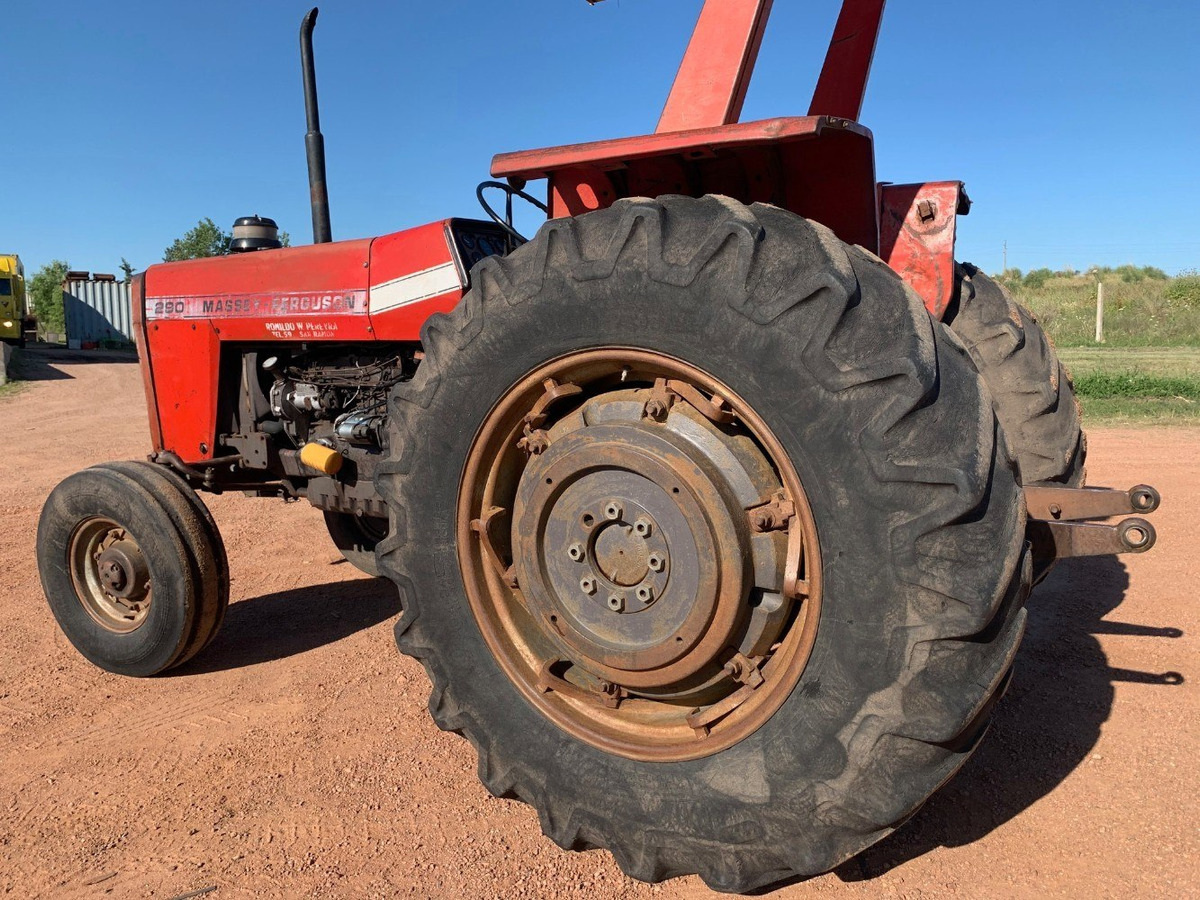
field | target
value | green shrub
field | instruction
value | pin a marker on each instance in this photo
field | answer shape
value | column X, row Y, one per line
column 1184, row 292
column 1037, row 279
column 1107, row 385
column 46, row 296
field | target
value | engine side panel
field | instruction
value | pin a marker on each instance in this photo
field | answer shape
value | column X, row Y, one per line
column 361, row 291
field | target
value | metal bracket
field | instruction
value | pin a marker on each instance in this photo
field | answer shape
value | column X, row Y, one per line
column 483, row 527
column 1057, row 515
column 715, row 410
column 554, row 392
column 610, row 695
column 1068, row 539
column 773, row 515
column 1057, row 503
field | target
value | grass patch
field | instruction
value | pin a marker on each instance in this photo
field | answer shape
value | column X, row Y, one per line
column 1136, row 386
column 1150, row 312
column 1112, row 385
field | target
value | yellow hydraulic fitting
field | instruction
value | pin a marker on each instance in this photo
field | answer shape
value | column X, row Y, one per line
column 324, row 459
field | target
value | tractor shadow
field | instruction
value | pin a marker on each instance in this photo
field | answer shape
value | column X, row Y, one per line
column 275, row 626
column 1047, row 724
column 41, row 363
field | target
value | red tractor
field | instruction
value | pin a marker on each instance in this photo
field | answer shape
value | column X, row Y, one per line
column 713, row 507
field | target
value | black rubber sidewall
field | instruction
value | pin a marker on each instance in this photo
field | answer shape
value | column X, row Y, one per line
column 724, row 798
column 162, row 636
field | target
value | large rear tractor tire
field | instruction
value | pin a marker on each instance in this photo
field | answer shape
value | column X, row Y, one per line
column 133, row 567
column 1031, row 390
column 356, row 537
column 707, row 538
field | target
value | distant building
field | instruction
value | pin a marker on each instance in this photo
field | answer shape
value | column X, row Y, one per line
column 97, row 310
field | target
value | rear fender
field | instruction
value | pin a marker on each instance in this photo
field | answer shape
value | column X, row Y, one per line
column 918, row 226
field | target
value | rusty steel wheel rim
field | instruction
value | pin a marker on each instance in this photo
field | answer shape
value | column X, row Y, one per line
column 639, row 554
column 110, row 575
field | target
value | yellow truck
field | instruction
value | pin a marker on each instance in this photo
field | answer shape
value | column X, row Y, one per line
column 15, row 320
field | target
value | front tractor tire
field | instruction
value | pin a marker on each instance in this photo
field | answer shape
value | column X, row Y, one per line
column 133, row 567
column 356, row 538
column 707, row 538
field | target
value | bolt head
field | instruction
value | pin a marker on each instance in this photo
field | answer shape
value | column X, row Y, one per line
column 587, row 585
column 576, row 551
column 616, row 603
column 656, row 409
column 613, row 510
column 642, row 527
column 645, row 593
column 656, row 562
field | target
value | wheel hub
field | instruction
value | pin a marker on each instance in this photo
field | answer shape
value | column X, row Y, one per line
column 111, row 575
column 657, row 603
column 122, row 570
column 631, row 495
column 621, row 557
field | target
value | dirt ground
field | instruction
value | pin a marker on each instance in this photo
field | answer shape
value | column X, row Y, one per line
column 295, row 758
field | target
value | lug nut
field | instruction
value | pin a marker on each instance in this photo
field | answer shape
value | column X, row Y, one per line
column 616, row 603
column 656, row 562
column 575, row 551
column 642, row 527
column 587, row 585
column 646, row 594
column 613, row 510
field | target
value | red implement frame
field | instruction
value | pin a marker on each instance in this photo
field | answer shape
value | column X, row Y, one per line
column 821, row 166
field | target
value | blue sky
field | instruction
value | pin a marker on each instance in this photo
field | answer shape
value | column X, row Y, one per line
column 1075, row 124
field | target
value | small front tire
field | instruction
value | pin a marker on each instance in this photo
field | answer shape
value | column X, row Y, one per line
column 356, row 538
column 132, row 567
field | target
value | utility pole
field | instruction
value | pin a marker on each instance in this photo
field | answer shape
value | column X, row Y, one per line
column 1006, row 256
column 1100, row 313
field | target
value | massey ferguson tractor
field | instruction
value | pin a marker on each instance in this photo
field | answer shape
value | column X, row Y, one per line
column 713, row 507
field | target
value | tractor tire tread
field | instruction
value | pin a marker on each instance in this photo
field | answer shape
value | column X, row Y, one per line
column 1031, row 389
column 952, row 651
column 206, row 549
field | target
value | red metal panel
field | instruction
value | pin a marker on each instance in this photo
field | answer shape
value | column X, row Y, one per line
column 843, row 81
column 710, row 86
column 701, row 142
column 815, row 166
column 575, row 191
column 918, row 226
column 185, row 359
column 413, row 274
column 317, row 292
column 137, row 299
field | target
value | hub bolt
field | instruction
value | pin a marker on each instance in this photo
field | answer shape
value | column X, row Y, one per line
column 645, row 593
column 587, row 584
column 642, row 527
column 613, row 510
column 656, row 562
column 575, row 551
column 616, row 603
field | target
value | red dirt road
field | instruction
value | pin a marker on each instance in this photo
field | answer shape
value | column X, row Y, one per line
column 295, row 758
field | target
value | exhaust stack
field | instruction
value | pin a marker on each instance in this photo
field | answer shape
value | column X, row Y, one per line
column 314, row 142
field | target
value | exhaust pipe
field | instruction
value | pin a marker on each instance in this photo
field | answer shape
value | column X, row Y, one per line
column 314, row 142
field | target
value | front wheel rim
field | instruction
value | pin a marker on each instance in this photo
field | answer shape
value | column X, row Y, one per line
column 639, row 554
column 110, row 575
